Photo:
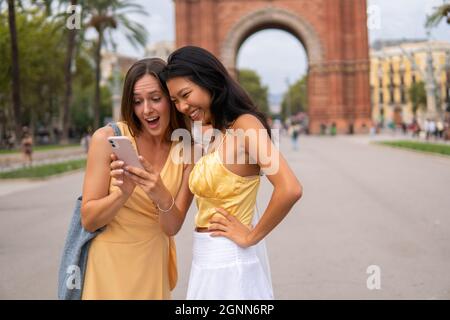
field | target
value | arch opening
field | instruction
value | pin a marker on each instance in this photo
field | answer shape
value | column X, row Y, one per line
column 271, row 18
column 279, row 57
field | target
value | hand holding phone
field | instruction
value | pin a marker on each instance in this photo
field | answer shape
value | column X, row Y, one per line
column 124, row 150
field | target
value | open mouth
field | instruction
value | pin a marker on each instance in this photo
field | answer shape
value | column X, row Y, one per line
column 152, row 121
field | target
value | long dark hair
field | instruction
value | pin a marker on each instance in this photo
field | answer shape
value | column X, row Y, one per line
column 228, row 99
column 153, row 67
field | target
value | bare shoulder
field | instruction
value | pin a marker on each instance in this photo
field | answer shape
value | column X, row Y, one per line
column 99, row 146
column 101, row 134
column 248, row 121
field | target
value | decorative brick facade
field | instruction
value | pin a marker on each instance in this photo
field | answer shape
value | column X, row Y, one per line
column 333, row 32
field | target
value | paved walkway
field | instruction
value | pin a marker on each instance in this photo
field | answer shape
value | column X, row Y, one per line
column 363, row 205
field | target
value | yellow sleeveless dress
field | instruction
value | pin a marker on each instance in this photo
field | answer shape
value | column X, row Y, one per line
column 215, row 186
column 220, row 269
column 133, row 258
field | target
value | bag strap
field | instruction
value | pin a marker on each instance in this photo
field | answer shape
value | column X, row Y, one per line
column 116, row 128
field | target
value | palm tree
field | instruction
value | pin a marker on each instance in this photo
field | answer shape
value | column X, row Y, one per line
column 295, row 99
column 68, row 65
column 418, row 96
column 15, row 72
column 443, row 11
column 70, row 53
column 106, row 15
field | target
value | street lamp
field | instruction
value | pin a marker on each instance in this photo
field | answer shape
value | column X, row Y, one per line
column 288, row 111
column 430, row 85
column 447, row 72
column 380, row 72
column 428, row 76
column 402, row 70
column 380, row 94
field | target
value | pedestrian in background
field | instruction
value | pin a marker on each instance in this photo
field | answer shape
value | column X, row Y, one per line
column 333, row 129
column 432, row 129
column 86, row 140
column 26, row 145
column 295, row 132
column 439, row 129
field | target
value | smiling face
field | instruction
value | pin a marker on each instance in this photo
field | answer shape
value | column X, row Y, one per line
column 151, row 106
column 190, row 99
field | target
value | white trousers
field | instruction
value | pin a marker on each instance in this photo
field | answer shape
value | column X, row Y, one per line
column 221, row 270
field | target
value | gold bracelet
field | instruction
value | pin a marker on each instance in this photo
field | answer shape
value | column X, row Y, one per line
column 170, row 208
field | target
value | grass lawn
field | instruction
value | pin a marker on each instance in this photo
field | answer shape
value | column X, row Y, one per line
column 43, row 171
column 419, row 146
column 42, row 148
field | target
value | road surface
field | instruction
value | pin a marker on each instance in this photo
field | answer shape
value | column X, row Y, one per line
column 363, row 205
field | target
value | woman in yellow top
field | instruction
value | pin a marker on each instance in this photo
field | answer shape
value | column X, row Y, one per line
column 134, row 257
column 225, row 181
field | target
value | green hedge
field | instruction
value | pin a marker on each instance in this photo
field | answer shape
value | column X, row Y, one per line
column 42, row 148
column 419, row 146
column 43, row 171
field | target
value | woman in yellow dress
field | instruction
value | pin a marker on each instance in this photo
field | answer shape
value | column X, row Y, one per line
column 225, row 181
column 142, row 209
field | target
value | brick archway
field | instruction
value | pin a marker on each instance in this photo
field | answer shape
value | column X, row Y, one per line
column 333, row 32
column 271, row 18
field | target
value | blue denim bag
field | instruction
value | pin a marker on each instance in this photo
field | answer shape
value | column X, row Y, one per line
column 74, row 258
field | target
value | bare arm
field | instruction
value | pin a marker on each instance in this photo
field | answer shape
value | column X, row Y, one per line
column 172, row 220
column 98, row 206
column 150, row 181
column 287, row 189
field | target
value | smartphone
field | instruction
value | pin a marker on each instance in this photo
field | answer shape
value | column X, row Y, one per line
column 124, row 150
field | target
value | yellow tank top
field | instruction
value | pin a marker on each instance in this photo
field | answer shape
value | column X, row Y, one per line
column 215, row 186
column 133, row 258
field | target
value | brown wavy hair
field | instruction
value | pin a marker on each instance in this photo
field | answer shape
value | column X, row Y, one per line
column 153, row 67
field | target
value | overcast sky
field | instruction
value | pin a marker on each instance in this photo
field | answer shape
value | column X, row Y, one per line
column 286, row 61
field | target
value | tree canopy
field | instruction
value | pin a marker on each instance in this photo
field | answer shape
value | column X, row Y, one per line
column 251, row 82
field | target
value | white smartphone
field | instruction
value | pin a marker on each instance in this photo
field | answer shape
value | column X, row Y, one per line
column 124, row 150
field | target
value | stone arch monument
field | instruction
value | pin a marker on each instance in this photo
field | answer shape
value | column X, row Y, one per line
column 333, row 32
